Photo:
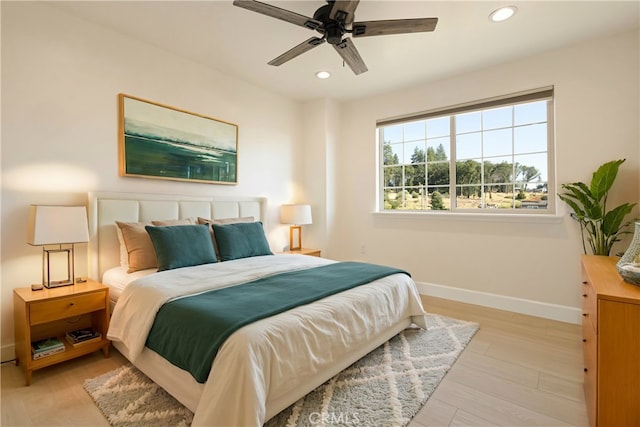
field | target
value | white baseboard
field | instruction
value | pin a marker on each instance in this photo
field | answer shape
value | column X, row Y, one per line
column 561, row 313
column 7, row 352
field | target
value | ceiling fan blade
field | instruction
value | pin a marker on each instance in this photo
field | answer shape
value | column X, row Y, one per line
column 347, row 50
column 393, row 26
column 296, row 51
column 279, row 13
column 348, row 7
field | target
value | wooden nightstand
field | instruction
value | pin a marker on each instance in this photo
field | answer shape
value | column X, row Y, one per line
column 304, row 251
column 53, row 312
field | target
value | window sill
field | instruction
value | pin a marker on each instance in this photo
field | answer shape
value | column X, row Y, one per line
column 463, row 216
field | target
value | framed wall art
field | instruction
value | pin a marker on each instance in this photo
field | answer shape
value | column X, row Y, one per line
column 158, row 141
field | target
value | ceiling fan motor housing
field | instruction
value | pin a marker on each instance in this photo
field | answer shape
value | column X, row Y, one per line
column 332, row 28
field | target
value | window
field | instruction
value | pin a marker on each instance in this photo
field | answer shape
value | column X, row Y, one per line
column 495, row 156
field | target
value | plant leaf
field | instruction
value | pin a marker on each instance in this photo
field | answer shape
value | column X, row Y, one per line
column 577, row 192
column 592, row 207
column 585, row 189
column 579, row 212
column 604, row 177
column 613, row 219
column 582, row 194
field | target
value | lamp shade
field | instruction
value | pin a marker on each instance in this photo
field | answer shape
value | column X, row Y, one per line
column 52, row 225
column 295, row 214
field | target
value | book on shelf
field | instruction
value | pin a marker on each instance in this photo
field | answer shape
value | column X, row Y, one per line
column 83, row 341
column 83, row 336
column 46, row 353
column 46, row 347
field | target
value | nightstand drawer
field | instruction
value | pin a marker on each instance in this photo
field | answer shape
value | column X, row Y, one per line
column 47, row 311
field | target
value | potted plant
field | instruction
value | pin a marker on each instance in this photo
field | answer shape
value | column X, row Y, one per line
column 589, row 203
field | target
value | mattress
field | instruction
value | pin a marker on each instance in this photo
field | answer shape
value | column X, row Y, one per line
column 117, row 279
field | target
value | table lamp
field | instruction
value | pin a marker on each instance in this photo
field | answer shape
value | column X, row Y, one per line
column 57, row 226
column 296, row 215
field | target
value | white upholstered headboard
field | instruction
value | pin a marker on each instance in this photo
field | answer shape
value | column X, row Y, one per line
column 107, row 207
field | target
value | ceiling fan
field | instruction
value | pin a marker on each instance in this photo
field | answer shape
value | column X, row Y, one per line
column 333, row 21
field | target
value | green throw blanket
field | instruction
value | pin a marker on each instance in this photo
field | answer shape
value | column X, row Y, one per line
column 189, row 331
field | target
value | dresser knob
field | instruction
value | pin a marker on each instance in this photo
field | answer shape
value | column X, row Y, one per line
column 585, row 314
column 584, row 295
column 586, row 370
column 585, row 282
column 584, row 340
column 71, row 304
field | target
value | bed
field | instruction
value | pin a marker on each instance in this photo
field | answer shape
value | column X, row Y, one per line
column 264, row 366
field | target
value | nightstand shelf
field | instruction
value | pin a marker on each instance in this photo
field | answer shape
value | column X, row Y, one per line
column 304, row 251
column 53, row 312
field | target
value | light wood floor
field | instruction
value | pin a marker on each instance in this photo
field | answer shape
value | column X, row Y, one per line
column 516, row 371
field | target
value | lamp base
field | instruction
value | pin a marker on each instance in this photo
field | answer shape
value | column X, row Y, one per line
column 295, row 244
column 47, row 255
column 58, row 283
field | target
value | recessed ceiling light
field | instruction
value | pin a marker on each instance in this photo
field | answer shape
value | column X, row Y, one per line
column 323, row 74
column 503, row 13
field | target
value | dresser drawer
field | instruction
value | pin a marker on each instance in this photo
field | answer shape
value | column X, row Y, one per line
column 590, row 353
column 589, row 304
column 75, row 305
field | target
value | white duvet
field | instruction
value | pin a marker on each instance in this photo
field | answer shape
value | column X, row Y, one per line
column 266, row 366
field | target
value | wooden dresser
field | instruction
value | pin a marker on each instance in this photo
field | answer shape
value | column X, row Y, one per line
column 611, row 337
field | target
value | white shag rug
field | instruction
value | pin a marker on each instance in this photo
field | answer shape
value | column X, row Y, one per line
column 386, row 387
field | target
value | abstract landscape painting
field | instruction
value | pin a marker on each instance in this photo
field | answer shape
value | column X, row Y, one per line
column 158, row 141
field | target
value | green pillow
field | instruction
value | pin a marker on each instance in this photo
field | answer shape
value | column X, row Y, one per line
column 181, row 245
column 241, row 240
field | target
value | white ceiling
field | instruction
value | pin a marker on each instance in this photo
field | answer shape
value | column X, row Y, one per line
column 240, row 42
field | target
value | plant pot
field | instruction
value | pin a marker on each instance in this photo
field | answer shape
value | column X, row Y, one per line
column 629, row 264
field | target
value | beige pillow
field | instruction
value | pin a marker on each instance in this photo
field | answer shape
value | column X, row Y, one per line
column 183, row 221
column 124, row 255
column 209, row 222
column 142, row 256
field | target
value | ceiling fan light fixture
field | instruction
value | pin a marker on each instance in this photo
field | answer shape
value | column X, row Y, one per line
column 503, row 13
column 323, row 75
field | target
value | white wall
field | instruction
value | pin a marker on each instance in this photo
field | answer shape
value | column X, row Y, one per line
column 60, row 80
column 321, row 124
column 596, row 103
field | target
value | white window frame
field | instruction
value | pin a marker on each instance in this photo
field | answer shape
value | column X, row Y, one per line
column 540, row 94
